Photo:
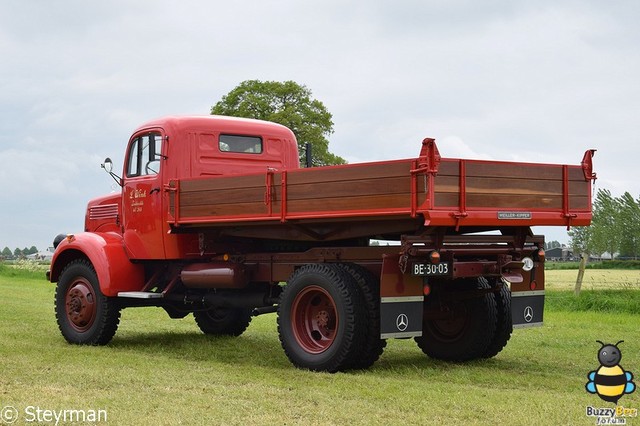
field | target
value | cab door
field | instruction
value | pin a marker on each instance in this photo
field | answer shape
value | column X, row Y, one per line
column 142, row 193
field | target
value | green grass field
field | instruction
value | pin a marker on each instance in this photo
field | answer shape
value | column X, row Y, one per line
column 159, row 371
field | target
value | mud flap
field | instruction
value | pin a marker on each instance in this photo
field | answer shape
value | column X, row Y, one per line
column 527, row 308
column 401, row 301
column 401, row 317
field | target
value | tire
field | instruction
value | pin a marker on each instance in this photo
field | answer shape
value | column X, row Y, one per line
column 373, row 345
column 223, row 321
column 466, row 327
column 321, row 318
column 504, row 322
column 85, row 316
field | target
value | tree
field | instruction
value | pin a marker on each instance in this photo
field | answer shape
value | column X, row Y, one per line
column 580, row 239
column 604, row 235
column 581, row 243
column 17, row 252
column 629, row 218
column 606, row 229
column 6, row 252
column 615, row 227
column 286, row 103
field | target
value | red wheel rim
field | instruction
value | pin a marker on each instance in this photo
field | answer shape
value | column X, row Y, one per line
column 80, row 302
column 450, row 329
column 315, row 319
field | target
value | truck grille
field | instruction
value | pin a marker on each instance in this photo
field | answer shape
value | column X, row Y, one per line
column 106, row 211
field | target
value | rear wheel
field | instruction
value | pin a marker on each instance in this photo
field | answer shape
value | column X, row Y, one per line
column 369, row 285
column 504, row 323
column 84, row 314
column 459, row 321
column 321, row 319
column 223, row 321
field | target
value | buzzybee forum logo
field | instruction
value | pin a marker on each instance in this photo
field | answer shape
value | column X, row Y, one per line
column 610, row 381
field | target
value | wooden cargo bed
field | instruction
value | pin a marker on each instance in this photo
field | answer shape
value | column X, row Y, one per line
column 438, row 191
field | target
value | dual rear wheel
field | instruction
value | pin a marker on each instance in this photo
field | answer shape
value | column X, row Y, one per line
column 466, row 319
column 328, row 318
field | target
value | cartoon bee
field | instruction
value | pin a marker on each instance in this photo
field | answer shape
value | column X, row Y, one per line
column 610, row 381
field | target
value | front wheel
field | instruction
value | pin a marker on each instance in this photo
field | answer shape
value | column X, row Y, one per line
column 85, row 316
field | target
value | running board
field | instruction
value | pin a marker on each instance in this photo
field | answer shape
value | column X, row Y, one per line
column 140, row 295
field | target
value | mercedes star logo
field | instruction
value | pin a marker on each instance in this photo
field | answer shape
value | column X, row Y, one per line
column 528, row 314
column 402, row 322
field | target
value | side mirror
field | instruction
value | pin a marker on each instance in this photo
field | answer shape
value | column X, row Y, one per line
column 107, row 165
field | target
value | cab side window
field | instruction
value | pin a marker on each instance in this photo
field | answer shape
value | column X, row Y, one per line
column 144, row 155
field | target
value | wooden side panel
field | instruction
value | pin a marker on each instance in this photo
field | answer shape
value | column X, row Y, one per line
column 517, row 186
column 374, row 187
column 377, row 188
column 223, row 196
column 447, row 184
column 579, row 195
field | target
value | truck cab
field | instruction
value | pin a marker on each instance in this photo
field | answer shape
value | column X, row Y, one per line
column 174, row 148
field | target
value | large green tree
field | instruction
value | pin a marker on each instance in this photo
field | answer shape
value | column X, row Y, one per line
column 287, row 103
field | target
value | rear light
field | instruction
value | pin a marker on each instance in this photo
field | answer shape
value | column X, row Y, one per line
column 533, row 285
column 541, row 255
column 426, row 289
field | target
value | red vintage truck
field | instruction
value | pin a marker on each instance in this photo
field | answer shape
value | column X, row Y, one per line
column 216, row 218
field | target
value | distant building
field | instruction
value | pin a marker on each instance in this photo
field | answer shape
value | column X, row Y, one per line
column 42, row 255
column 605, row 256
column 559, row 254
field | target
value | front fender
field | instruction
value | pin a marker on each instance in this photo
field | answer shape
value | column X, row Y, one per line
column 106, row 252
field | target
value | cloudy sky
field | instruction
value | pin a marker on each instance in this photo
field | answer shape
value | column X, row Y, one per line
column 538, row 81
